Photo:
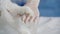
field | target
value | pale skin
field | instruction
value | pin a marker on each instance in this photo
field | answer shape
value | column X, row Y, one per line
column 31, row 18
column 34, row 7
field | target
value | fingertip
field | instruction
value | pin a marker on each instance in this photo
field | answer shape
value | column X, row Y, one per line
column 34, row 19
column 30, row 18
column 26, row 18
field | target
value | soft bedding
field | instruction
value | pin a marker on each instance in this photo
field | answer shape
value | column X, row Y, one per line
column 46, row 25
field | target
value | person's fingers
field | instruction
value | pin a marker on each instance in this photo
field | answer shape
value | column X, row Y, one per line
column 23, row 17
column 34, row 19
column 26, row 17
column 30, row 18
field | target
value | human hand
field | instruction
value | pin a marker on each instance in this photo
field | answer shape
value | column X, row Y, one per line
column 30, row 4
column 28, row 14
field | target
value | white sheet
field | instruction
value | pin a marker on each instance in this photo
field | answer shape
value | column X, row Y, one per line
column 49, row 25
column 46, row 25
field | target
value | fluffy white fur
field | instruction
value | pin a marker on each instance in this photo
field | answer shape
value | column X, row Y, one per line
column 17, row 24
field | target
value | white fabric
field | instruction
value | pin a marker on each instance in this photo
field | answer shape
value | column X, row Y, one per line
column 49, row 25
column 46, row 25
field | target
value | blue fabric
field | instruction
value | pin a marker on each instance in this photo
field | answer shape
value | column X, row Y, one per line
column 19, row 2
column 48, row 8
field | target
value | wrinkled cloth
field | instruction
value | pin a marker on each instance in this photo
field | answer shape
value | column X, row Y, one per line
column 46, row 25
